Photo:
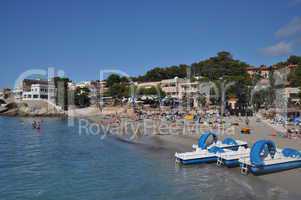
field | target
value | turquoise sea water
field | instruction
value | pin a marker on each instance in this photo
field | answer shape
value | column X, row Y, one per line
column 57, row 163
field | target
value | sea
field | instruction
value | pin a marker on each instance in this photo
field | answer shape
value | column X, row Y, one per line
column 58, row 162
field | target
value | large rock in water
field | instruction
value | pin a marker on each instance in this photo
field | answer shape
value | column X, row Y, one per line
column 37, row 108
column 9, row 109
column 3, row 109
column 30, row 108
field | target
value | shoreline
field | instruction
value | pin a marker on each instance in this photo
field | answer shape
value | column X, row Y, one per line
column 288, row 180
column 33, row 115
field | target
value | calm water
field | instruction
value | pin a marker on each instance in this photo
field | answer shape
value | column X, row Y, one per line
column 56, row 163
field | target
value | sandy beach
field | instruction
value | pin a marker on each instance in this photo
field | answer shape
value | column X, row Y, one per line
column 288, row 180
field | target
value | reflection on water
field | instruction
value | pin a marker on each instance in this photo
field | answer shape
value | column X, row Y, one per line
column 57, row 163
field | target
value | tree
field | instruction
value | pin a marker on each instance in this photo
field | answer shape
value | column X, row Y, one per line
column 61, row 85
column 118, row 86
column 118, row 91
column 81, row 97
column 294, row 76
column 222, row 65
column 158, row 73
column 224, row 55
column 295, row 60
column 152, row 91
column 262, row 98
column 224, row 69
column 113, row 79
column 201, row 100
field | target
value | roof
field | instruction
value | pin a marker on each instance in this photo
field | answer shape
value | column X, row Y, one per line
column 34, row 81
column 233, row 98
column 261, row 68
column 290, row 66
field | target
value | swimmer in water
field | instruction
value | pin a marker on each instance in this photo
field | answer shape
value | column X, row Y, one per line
column 34, row 124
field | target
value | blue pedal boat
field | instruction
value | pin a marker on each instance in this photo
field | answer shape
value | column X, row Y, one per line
column 265, row 158
column 207, row 149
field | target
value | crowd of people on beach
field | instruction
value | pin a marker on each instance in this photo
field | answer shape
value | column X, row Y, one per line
column 210, row 120
column 186, row 122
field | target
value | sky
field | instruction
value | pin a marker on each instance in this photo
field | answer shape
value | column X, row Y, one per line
column 84, row 38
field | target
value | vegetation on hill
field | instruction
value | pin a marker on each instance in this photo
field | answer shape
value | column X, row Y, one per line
column 295, row 75
column 119, row 87
column 220, row 69
column 221, row 65
column 158, row 74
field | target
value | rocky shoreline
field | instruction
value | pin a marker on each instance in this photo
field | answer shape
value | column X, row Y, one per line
column 31, row 109
column 17, row 114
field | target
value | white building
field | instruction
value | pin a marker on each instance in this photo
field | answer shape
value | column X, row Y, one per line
column 40, row 91
column 291, row 93
column 176, row 87
column 171, row 87
column 189, row 89
column 71, row 86
column 18, row 93
column 148, row 84
column 83, row 84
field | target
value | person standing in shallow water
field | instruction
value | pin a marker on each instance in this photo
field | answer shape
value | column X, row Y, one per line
column 34, row 124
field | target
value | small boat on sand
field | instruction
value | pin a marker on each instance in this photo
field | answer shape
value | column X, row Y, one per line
column 266, row 158
column 208, row 148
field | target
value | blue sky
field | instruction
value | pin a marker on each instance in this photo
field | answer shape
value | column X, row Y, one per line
column 83, row 37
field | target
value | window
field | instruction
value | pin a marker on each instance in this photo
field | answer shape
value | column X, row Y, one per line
column 35, row 96
column 44, row 96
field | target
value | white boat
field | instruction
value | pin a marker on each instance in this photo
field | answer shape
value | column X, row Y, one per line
column 227, row 143
column 231, row 158
column 207, row 149
column 266, row 158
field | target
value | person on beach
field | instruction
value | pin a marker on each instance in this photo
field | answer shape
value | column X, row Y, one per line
column 247, row 121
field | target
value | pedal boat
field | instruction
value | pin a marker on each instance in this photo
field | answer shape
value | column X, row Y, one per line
column 265, row 158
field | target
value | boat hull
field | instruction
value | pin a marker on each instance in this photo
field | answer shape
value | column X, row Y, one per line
column 231, row 163
column 197, row 160
column 211, row 159
column 235, row 148
column 275, row 167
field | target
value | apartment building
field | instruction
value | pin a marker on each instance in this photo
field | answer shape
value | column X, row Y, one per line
column 39, row 92
column 171, row 87
column 263, row 71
